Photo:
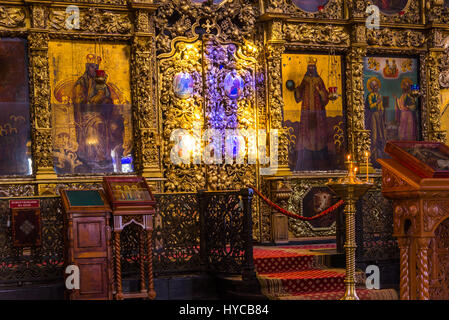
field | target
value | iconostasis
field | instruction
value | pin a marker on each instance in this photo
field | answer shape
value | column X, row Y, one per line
column 105, row 96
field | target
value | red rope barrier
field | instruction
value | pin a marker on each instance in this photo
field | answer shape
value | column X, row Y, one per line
column 294, row 215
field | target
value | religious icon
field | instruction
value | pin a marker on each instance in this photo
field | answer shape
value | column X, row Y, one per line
column 15, row 140
column 390, row 71
column 316, row 201
column 183, row 85
column 405, row 112
column 376, row 117
column 91, row 113
column 314, row 119
column 310, row 5
column 233, row 85
column 391, row 110
column 391, row 7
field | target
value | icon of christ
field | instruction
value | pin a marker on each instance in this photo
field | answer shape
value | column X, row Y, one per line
column 99, row 125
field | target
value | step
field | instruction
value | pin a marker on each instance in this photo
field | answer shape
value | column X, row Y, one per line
column 363, row 294
column 303, row 281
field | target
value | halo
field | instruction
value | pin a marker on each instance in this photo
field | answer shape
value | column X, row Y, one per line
column 368, row 84
column 406, row 80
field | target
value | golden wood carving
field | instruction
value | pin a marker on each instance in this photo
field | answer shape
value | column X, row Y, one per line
column 93, row 20
column 316, row 34
column 387, row 37
column 11, row 17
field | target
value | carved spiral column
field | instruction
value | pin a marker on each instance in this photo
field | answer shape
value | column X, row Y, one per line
column 149, row 244
column 404, row 252
column 41, row 128
column 358, row 138
column 423, row 268
column 146, row 120
column 118, row 266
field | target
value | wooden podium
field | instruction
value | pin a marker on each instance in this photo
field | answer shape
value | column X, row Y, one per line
column 131, row 201
column 416, row 178
column 87, row 242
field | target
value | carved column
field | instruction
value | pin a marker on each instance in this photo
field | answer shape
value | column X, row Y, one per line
column 404, row 252
column 423, row 268
column 274, row 49
column 433, row 103
column 358, row 138
column 41, row 126
column 145, row 115
column 280, row 194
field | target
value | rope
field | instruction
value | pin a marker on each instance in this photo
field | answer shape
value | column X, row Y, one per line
column 294, row 215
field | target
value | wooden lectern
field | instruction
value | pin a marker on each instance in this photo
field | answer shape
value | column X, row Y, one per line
column 131, row 201
column 87, row 242
column 416, row 178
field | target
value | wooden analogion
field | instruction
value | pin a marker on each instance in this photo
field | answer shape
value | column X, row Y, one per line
column 416, row 178
column 131, row 201
column 88, row 235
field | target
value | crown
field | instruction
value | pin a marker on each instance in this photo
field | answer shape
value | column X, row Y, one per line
column 312, row 60
column 91, row 58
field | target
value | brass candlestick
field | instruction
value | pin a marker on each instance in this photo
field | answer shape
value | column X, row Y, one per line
column 350, row 189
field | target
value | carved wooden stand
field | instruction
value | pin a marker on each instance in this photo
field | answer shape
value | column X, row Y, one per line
column 420, row 206
column 121, row 220
column 132, row 202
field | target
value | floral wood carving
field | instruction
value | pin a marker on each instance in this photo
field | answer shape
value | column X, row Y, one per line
column 434, row 212
column 316, row 34
column 12, row 17
column 334, row 9
column 93, row 20
column 387, row 37
column 391, row 181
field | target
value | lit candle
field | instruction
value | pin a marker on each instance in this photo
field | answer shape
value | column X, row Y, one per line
column 367, row 166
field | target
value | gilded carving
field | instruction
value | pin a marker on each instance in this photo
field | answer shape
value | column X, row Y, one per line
column 387, row 37
column 316, row 34
column 334, row 9
column 11, row 17
column 433, row 102
column 16, row 190
column 411, row 14
column 93, row 20
column 358, row 137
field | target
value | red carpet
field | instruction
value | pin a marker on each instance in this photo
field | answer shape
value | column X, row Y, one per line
column 296, row 273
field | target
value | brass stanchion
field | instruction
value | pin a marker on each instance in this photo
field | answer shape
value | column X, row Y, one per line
column 350, row 189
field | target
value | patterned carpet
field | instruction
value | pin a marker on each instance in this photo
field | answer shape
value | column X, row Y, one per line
column 297, row 273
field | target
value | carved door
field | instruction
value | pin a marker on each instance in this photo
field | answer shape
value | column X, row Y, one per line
column 206, row 91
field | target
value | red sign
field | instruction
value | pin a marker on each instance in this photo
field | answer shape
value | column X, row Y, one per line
column 24, row 203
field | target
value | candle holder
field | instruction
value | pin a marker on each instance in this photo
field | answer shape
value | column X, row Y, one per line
column 350, row 189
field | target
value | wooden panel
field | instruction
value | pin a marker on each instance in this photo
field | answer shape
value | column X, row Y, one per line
column 89, row 234
column 93, row 278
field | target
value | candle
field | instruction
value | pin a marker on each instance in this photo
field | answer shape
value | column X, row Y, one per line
column 367, row 166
